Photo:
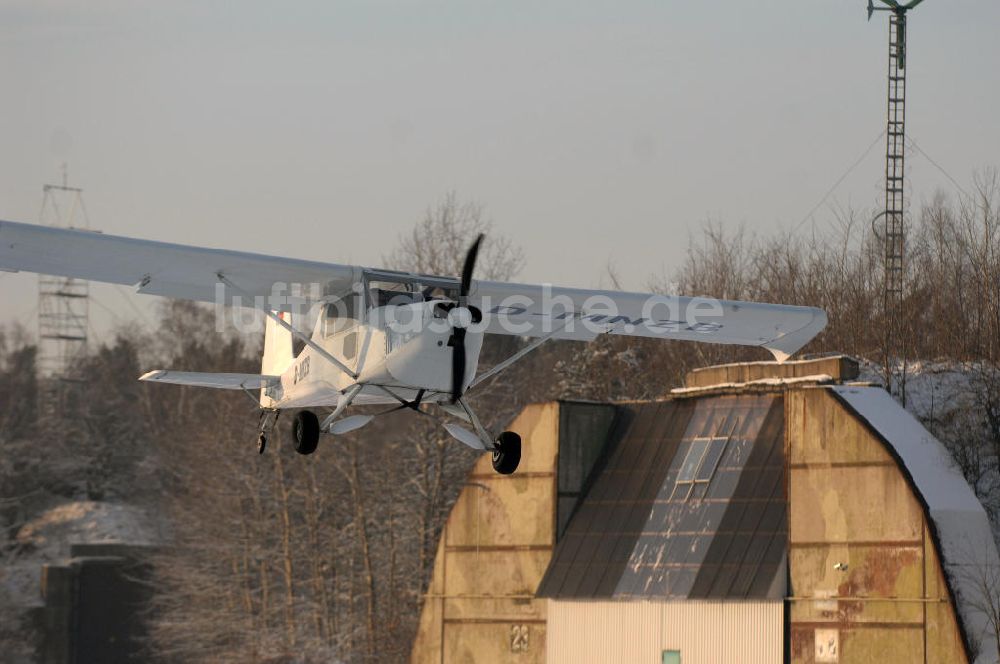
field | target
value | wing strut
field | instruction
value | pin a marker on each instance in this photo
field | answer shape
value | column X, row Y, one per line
column 295, row 332
column 481, row 433
column 497, row 368
column 342, row 405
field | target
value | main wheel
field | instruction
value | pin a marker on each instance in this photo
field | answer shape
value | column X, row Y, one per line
column 506, row 453
column 305, row 432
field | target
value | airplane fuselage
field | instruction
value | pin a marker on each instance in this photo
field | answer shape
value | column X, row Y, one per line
column 397, row 351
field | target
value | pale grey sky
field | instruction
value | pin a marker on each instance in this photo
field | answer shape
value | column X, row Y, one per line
column 590, row 131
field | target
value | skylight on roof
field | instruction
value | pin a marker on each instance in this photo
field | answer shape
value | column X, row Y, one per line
column 700, row 463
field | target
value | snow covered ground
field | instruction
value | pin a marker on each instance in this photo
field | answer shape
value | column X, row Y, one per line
column 47, row 538
column 944, row 394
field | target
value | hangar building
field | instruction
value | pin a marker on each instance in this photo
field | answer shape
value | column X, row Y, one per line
column 763, row 513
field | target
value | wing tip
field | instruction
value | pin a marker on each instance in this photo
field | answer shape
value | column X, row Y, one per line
column 155, row 374
column 783, row 347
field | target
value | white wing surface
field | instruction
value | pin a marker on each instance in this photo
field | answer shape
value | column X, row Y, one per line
column 193, row 273
column 572, row 313
column 222, row 381
column 161, row 268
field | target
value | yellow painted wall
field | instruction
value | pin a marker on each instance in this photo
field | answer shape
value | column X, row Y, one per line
column 495, row 548
column 850, row 504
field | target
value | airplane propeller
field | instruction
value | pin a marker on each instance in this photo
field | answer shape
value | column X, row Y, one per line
column 460, row 317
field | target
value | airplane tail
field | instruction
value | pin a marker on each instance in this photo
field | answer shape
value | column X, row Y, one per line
column 278, row 354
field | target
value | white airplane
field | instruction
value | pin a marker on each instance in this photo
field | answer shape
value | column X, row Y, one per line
column 381, row 336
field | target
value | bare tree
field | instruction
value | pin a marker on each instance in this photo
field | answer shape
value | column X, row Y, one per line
column 437, row 244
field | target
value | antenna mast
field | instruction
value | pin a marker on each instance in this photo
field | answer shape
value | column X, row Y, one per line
column 893, row 236
column 63, row 304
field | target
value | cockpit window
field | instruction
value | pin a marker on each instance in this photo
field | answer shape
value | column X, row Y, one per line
column 382, row 293
column 440, row 293
column 339, row 315
column 381, row 297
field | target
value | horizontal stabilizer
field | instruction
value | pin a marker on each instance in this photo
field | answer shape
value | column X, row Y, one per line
column 222, row 381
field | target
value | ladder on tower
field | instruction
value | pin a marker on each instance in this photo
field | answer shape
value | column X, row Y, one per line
column 894, row 231
column 894, row 163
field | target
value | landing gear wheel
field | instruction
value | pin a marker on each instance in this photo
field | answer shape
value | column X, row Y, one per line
column 305, row 432
column 506, row 453
column 261, row 442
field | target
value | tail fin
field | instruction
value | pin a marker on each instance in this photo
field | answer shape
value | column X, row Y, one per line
column 277, row 348
column 277, row 351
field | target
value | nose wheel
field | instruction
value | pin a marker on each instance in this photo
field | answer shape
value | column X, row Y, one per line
column 506, row 453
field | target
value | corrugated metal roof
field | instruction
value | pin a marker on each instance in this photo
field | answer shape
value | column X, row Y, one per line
column 689, row 505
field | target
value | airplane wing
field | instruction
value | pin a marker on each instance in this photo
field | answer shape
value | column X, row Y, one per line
column 172, row 270
column 222, row 381
column 573, row 313
column 218, row 275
